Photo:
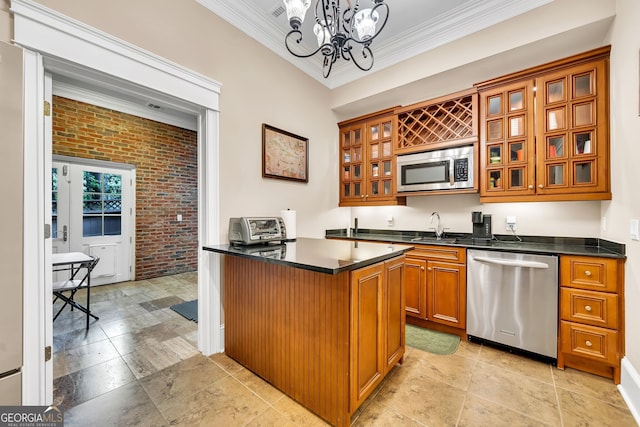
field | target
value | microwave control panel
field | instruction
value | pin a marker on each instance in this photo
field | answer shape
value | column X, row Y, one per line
column 461, row 170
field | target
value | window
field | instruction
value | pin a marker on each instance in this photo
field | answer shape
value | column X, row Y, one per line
column 101, row 204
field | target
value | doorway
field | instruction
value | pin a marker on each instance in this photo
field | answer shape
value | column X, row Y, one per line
column 93, row 212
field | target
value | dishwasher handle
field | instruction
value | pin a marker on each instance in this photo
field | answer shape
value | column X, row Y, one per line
column 511, row 263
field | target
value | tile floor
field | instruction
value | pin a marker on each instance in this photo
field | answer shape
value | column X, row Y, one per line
column 139, row 365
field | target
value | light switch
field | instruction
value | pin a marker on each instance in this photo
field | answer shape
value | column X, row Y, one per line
column 179, row 217
column 635, row 234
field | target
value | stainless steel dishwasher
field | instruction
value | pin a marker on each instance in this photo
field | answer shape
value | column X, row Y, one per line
column 512, row 299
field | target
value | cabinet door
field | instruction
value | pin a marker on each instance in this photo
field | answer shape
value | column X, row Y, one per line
column 572, row 130
column 447, row 293
column 379, row 154
column 367, row 332
column 415, row 287
column 507, row 154
column 394, row 316
column 352, row 177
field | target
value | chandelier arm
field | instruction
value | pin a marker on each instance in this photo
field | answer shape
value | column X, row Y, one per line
column 366, row 53
column 290, row 35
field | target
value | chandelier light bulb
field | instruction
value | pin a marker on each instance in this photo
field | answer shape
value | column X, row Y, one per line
column 365, row 23
column 296, row 11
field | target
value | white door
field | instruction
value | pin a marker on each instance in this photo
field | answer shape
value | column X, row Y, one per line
column 92, row 212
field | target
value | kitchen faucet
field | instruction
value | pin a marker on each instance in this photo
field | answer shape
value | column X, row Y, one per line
column 438, row 228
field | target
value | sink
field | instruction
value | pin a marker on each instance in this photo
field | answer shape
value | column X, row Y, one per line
column 435, row 239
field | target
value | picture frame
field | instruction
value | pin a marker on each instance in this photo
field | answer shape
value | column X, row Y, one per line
column 284, row 155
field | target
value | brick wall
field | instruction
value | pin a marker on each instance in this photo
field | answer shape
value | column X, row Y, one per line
column 166, row 177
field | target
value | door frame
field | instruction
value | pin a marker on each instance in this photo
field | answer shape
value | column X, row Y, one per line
column 131, row 188
column 60, row 45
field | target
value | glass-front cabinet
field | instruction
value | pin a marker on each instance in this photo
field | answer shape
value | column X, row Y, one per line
column 544, row 136
column 509, row 140
column 367, row 170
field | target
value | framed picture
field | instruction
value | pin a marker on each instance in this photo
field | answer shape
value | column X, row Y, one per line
column 284, row 155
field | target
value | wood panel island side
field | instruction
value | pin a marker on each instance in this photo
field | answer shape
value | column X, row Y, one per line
column 321, row 320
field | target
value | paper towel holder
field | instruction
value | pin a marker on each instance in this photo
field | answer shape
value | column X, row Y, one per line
column 289, row 219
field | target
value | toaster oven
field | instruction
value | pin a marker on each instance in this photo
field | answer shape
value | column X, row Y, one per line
column 256, row 230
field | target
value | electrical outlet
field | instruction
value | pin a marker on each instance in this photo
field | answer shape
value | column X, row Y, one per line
column 511, row 223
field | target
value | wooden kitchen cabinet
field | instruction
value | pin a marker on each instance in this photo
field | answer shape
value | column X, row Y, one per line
column 377, row 328
column 591, row 315
column 367, row 164
column 436, row 288
column 544, row 132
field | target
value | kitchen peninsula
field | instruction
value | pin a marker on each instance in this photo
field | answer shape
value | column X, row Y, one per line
column 321, row 320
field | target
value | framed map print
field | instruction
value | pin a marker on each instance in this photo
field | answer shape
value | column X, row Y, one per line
column 284, row 155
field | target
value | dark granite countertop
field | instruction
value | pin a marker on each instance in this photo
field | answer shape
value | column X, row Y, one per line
column 531, row 244
column 322, row 255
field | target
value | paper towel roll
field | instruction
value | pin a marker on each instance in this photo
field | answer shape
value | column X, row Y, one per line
column 289, row 218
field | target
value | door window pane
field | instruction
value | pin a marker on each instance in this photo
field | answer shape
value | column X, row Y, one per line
column 495, row 105
column 583, row 143
column 494, row 130
column 375, row 133
column 555, row 119
column 582, row 85
column 583, row 173
column 386, row 130
column 495, row 179
column 374, row 151
column 495, row 154
column 516, row 126
column 387, row 187
column 515, row 101
column 583, row 115
column 517, row 179
column 556, row 175
column 517, row 151
column 555, row 92
column 374, row 188
column 101, row 204
column 555, row 147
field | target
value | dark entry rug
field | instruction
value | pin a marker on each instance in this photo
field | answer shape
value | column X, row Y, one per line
column 431, row 341
column 187, row 309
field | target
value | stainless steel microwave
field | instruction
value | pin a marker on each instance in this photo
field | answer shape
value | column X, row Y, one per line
column 446, row 169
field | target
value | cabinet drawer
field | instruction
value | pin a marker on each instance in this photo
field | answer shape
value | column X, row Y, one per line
column 590, row 307
column 589, row 342
column 598, row 274
column 445, row 253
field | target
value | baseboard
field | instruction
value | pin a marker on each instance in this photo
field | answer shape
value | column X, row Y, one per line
column 630, row 388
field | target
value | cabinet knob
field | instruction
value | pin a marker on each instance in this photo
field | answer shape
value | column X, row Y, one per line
column 587, row 308
column 530, row 187
column 422, row 268
column 588, row 343
column 429, row 268
column 587, row 273
column 540, row 186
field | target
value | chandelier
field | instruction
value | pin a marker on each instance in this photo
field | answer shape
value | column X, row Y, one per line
column 346, row 35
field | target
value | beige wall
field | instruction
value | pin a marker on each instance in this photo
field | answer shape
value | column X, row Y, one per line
column 625, row 134
column 6, row 22
column 257, row 86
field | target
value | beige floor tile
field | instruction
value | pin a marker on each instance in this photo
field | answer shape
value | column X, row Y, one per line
column 579, row 410
column 378, row 415
column 451, row 369
column 270, row 418
column 416, row 395
column 225, row 402
column 139, row 364
column 479, row 412
column 588, row 385
column 128, row 405
column 82, row 357
column 468, row 349
column 517, row 392
column 263, row 389
column 129, row 324
column 181, row 380
column 297, row 414
column 513, row 362
column 226, row 363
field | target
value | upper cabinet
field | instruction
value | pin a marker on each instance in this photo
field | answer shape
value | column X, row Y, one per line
column 544, row 132
column 367, row 164
column 447, row 121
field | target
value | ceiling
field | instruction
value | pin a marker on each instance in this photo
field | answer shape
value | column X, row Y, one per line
column 414, row 27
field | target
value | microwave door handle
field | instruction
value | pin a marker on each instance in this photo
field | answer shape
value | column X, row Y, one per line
column 451, row 172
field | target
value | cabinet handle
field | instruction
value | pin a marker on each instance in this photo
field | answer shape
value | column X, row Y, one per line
column 587, row 273
column 588, row 343
column 587, row 308
column 530, row 187
column 540, row 186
